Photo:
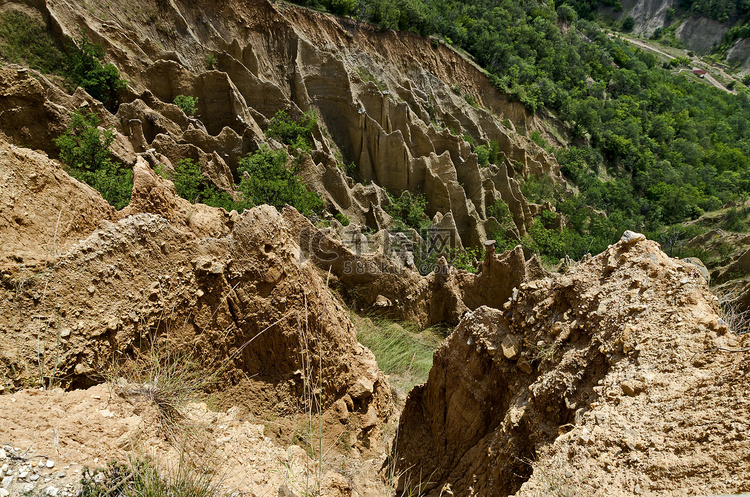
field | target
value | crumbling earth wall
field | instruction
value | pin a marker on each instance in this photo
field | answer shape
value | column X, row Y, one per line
column 616, row 378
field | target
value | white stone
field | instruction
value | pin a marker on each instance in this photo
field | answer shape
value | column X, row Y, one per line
column 50, row 463
column 632, row 237
column 362, row 388
column 511, row 346
column 4, row 493
column 7, row 481
column 3, row 455
column 51, row 491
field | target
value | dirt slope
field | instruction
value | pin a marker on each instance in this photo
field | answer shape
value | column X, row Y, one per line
column 94, row 426
column 232, row 291
column 613, row 379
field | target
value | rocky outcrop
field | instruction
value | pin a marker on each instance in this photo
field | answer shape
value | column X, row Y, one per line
column 649, row 15
column 384, row 273
column 587, row 373
column 402, row 119
column 739, row 53
column 231, row 290
column 43, row 211
column 701, row 34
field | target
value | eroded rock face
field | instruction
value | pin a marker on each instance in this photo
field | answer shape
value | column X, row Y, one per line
column 401, row 119
column 649, row 15
column 701, row 34
column 388, row 284
column 238, row 298
column 588, row 373
column 43, row 211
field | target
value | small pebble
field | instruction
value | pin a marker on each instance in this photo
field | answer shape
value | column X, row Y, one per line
column 61, row 474
column 3, row 455
column 50, row 463
column 34, row 477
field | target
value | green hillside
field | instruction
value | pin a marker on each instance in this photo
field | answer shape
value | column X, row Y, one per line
column 650, row 146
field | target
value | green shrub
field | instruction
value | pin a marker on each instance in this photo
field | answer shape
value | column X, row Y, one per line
column 542, row 189
column 25, row 40
column 84, row 150
column 211, row 62
column 628, row 24
column 505, row 224
column 341, row 217
column 296, row 133
column 466, row 259
column 216, row 197
column 188, row 180
column 735, row 219
column 536, row 137
column 270, row 181
column 189, row 105
column 483, row 155
column 84, row 68
column 190, row 184
column 341, row 7
column 488, row 154
column 409, row 210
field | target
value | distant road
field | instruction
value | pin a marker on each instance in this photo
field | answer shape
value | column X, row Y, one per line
column 647, row 47
column 707, row 76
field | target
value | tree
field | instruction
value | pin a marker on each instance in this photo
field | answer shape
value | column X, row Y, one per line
column 84, row 150
column 270, row 181
column 84, row 68
column 628, row 24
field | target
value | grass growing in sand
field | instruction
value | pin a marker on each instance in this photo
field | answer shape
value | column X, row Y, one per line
column 402, row 353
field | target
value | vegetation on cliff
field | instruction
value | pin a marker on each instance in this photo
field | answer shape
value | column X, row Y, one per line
column 649, row 148
column 84, row 149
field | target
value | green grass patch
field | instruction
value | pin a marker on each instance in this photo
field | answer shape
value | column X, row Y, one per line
column 402, row 353
column 25, row 40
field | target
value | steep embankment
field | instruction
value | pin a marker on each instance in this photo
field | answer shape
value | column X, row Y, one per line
column 395, row 104
column 618, row 376
column 230, row 291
